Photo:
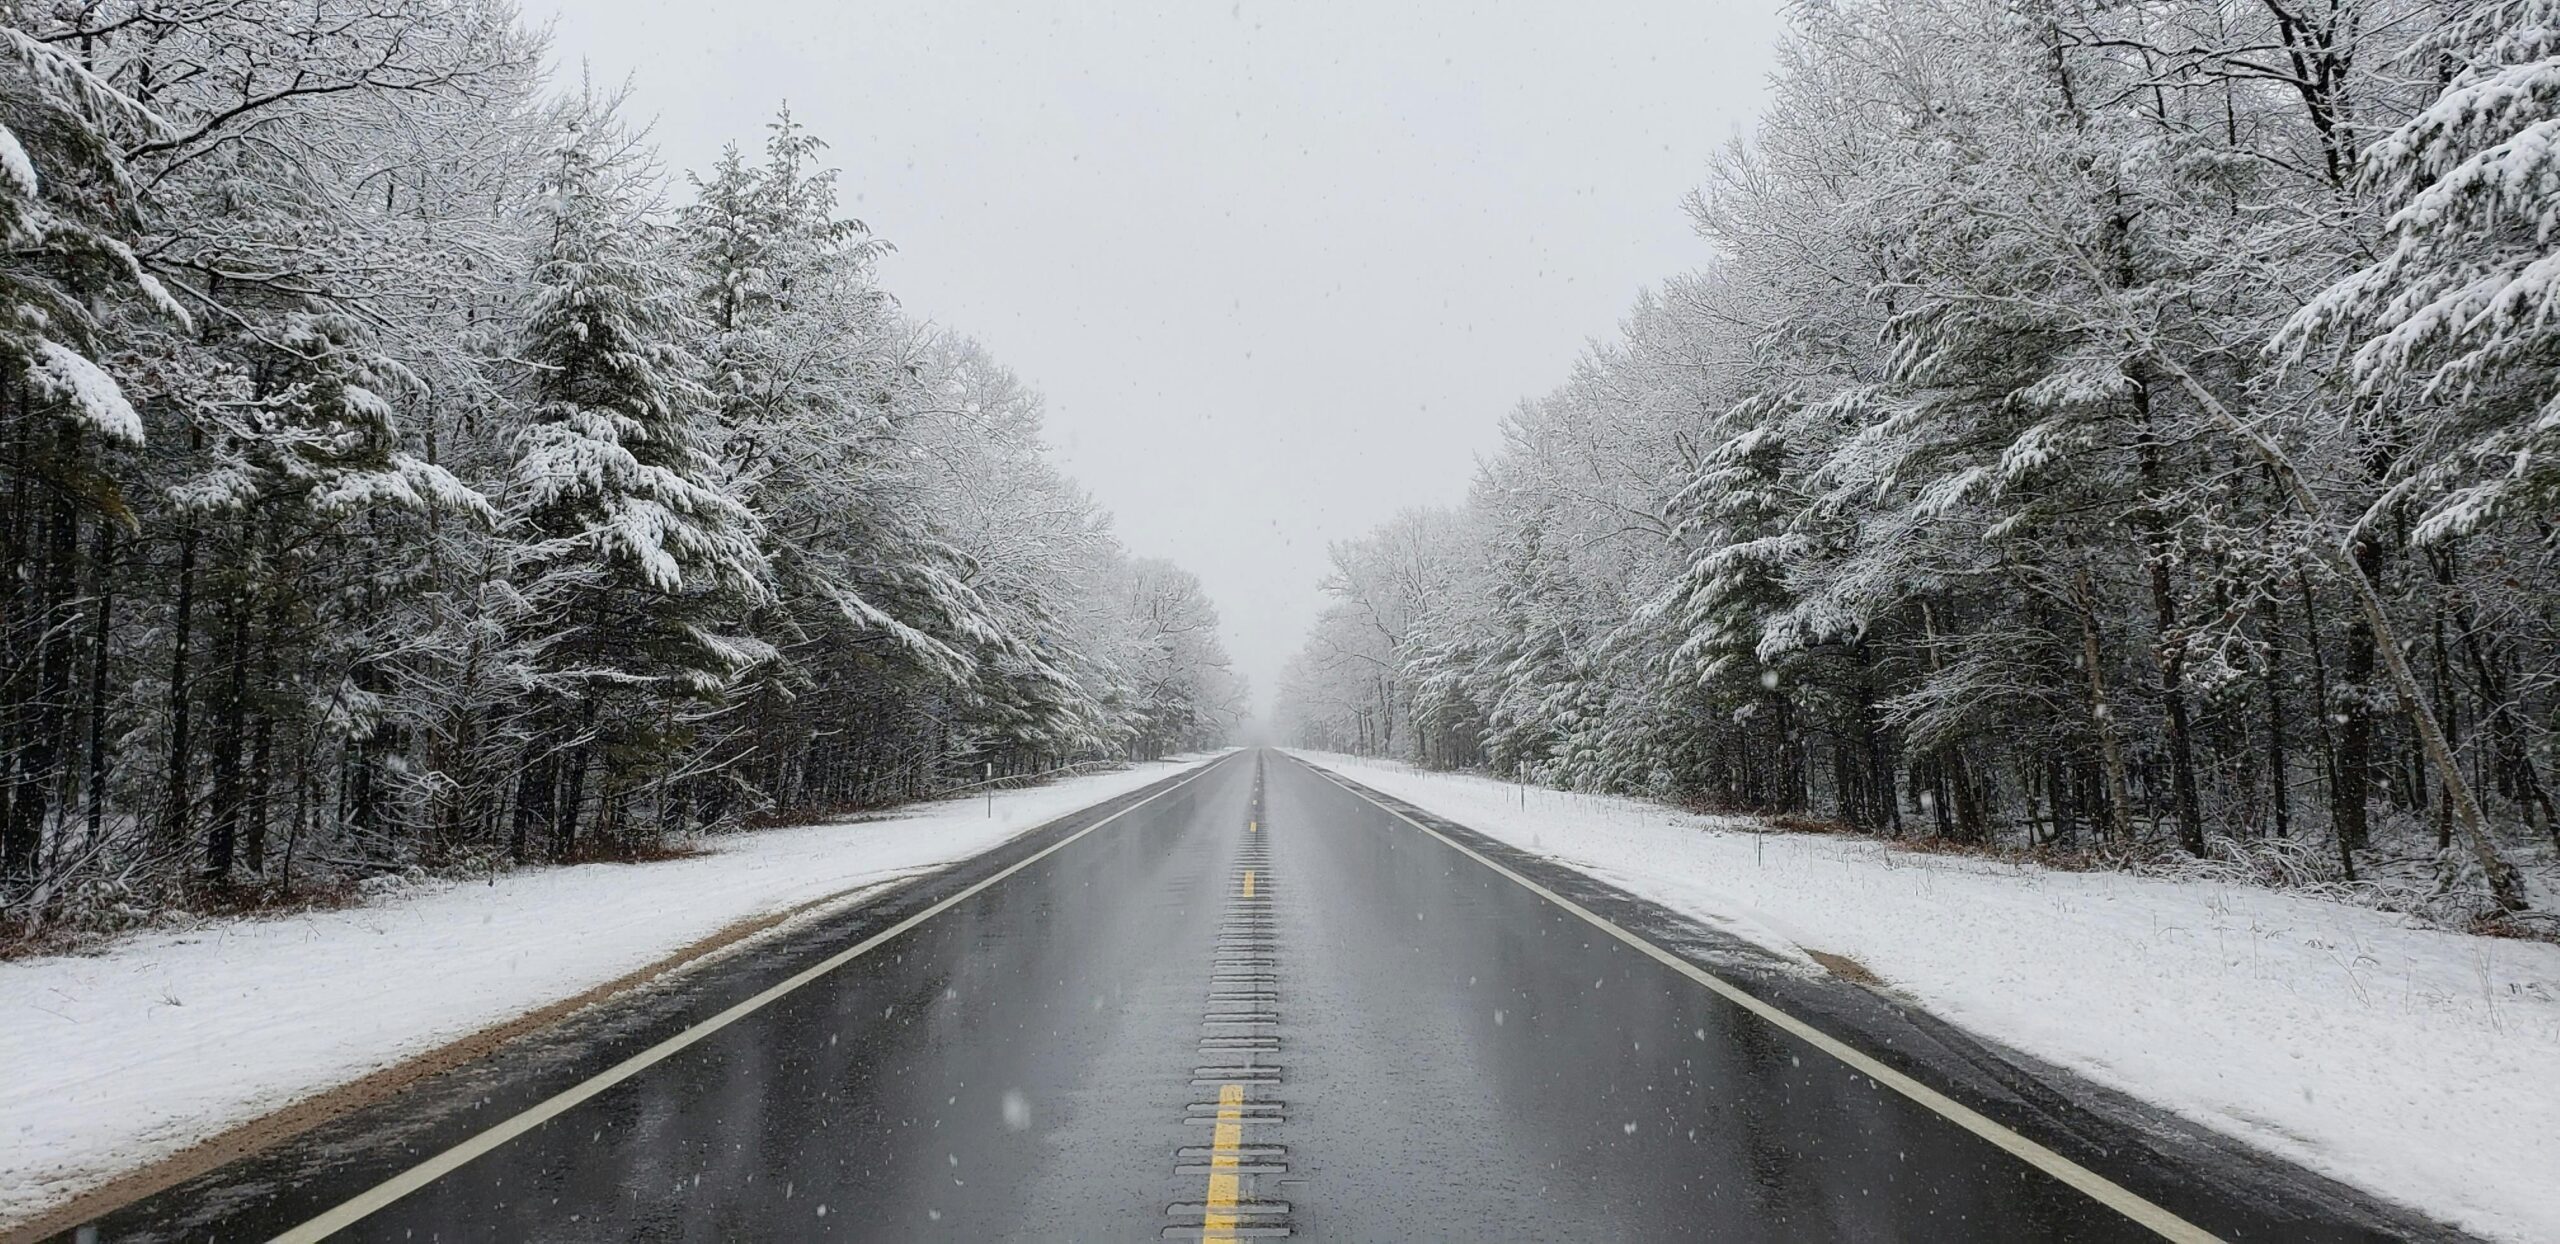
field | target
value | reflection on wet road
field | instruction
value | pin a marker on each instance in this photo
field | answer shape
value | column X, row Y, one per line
column 1259, row 1004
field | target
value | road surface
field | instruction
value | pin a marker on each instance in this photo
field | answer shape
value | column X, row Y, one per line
column 1254, row 1001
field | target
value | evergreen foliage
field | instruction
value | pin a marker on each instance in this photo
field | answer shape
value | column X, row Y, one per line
column 394, row 481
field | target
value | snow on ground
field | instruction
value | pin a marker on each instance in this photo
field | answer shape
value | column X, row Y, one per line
column 124, row 1057
column 2420, row 1065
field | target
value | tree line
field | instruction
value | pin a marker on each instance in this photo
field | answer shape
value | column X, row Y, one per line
column 2104, row 426
column 398, row 470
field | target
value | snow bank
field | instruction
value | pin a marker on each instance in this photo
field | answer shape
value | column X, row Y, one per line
column 121, row 1058
column 2420, row 1065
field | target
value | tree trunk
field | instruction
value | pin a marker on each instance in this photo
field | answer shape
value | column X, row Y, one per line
column 53, row 614
column 101, row 661
column 534, row 795
column 2102, row 715
column 2354, row 789
column 2320, row 715
column 175, row 814
column 17, row 857
column 573, row 796
column 2058, row 797
column 2518, row 779
column 2448, row 714
column 262, row 747
column 2169, row 652
column 2280, row 780
column 229, row 728
column 254, row 820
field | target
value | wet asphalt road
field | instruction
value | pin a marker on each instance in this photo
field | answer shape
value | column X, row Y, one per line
column 1375, row 1038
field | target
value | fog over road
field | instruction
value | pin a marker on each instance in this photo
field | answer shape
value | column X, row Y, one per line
column 1251, row 1001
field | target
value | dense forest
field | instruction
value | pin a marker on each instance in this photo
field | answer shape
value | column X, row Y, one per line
column 2116, row 428
column 402, row 471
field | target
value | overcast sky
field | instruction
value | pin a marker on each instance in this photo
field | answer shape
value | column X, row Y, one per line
column 1280, row 269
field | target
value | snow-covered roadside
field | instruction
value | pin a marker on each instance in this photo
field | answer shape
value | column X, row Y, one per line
column 2420, row 1065
column 121, row 1058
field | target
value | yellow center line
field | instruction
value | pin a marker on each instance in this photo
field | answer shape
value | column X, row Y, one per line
column 1218, row 1216
column 1248, row 883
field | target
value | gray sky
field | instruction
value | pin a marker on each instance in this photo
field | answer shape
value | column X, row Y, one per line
column 1279, row 268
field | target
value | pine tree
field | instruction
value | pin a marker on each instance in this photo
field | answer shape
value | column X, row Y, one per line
column 636, row 560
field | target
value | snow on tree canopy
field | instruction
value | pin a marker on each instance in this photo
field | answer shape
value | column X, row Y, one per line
column 15, row 167
column 89, row 395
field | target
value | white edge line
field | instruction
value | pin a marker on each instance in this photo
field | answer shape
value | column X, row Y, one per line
column 365, row 1203
column 2098, row 1187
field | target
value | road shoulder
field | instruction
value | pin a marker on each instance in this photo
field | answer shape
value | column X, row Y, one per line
column 2150, row 1151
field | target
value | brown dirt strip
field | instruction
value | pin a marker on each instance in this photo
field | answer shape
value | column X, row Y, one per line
column 272, row 1129
column 1844, row 967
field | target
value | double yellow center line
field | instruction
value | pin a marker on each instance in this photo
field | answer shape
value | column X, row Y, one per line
column 1218, row 1219
column 1218, row 1209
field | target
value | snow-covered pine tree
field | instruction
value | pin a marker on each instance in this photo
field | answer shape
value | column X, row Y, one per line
column 1735, row 518
column 636, row 562
column 812, row 379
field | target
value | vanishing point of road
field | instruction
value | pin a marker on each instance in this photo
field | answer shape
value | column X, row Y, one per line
column 1254, row 1001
